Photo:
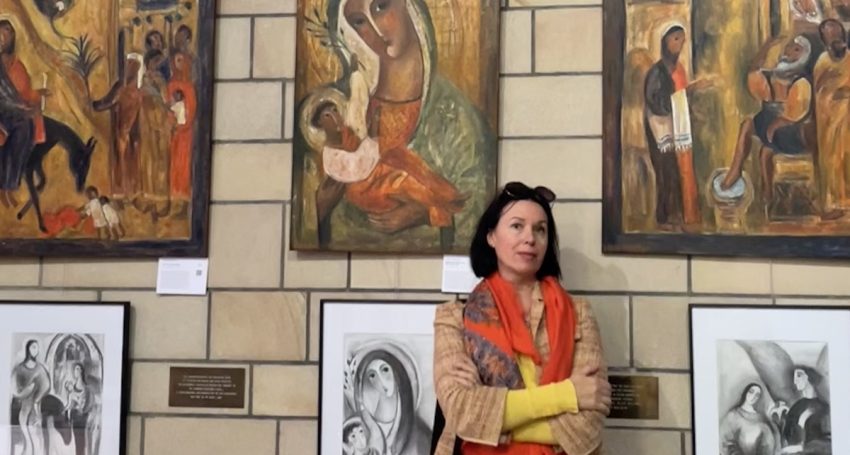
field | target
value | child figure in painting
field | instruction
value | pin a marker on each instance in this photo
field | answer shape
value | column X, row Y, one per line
column 94, row 210
column 178, row 108
column 380, row 180
column 355, row 438
column 113, row 221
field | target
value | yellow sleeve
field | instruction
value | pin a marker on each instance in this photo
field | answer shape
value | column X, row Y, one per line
column 533, row 403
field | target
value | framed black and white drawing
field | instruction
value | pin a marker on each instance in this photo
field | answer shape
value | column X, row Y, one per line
column 64, row 390
column 377, row 393
column 769, row 380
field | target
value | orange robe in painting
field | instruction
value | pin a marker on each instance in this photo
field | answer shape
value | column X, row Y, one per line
column 401, row 175
column 181, row 142
column 21, row 80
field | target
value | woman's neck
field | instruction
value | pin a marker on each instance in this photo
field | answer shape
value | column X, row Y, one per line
column 402, row 78
column 522, row 283
column 748, row 407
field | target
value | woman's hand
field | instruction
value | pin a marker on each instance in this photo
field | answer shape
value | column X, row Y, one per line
column 593, row 393
column 405, row 216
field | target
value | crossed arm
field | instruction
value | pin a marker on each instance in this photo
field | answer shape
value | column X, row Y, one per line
column 568, row 413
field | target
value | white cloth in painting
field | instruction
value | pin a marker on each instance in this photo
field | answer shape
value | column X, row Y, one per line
column 111, row 215
column 682, row 138
column 95, row 210
column 349, row 167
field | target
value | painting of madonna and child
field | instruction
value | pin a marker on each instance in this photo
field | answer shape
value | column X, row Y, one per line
column 377, row 391
column 727, row 127
column 104, row 126
column 395, row 129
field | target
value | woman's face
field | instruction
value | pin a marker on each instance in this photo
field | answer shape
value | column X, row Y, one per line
column 801, row 379
column 33, row 350
column 520, row 239
column 78, row 371
column 384, row 25
column 675, row 41
column 753, row 395
column 379, row 376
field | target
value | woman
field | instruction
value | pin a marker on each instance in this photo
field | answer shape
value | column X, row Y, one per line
column 519, row 329
column 30, row 382
column 417, row 109
column 182, row 90
column 386, row 398
column 744, row 430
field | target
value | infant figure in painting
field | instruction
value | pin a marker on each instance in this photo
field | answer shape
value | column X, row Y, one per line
column 355, row 439
column 94, row 210
column 380, row 180
column 178, row 107
column 113, row 221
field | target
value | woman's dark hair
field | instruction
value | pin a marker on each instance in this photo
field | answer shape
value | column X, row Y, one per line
column 404, row 389
column 814, row 377
column 746, row 390
column 483, row 256
column 5, row 23
column 27, row 355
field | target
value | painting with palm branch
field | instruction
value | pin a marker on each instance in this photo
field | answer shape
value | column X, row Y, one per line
column 395, row 127
column 104, row 126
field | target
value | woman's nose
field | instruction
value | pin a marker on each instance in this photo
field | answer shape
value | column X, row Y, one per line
column 528, row 235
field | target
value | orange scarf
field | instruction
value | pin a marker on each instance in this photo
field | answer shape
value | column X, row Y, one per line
column 506, row 330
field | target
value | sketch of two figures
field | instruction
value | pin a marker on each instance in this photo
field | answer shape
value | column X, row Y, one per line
column 56, row 394
column 776, row 398
column 389, row 399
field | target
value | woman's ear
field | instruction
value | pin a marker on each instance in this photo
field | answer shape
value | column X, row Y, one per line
column 490, row 240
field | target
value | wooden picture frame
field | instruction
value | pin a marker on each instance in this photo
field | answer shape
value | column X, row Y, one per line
column 117, row 169
column 713, row 181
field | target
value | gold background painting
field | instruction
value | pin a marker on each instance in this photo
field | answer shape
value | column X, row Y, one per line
column 722, row 40
column 466, row 34
column 43, row 48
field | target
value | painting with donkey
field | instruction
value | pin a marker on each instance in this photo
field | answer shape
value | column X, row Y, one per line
column 105, row 113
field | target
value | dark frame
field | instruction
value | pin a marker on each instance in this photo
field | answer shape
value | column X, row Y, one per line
column 125, row 386
column 615, row 240
column 438, row 413
column 691, row 353
column 198, row 242
column 489, row 89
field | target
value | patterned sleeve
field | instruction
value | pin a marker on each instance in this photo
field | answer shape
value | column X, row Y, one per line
column 581, row 433
column 472, row 413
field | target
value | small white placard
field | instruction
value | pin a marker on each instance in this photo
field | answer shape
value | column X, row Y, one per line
column 182, row 276
column 457, row 275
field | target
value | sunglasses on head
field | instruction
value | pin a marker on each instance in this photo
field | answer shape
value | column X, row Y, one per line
column 519, row 190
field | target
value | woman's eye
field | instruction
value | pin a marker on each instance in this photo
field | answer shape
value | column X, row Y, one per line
column 516, row 226
column 385, row 369
column 358, row 21
column 380, row 5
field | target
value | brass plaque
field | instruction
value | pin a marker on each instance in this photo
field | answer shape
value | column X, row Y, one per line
column 207, row 387
column 634, row 397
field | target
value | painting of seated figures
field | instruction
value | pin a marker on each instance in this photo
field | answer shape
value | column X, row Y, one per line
column 727, row 127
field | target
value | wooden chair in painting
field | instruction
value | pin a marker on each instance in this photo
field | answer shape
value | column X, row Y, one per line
column 794, row 185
